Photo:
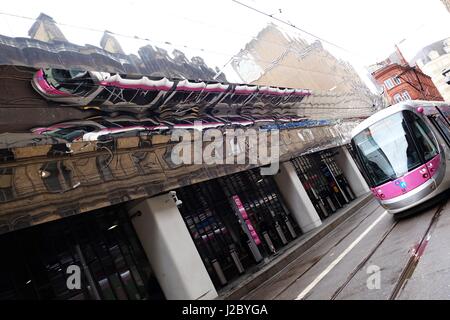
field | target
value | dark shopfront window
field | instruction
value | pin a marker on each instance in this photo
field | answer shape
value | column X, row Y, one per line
column 218, row 230
column 324, row 182
column 35, row 260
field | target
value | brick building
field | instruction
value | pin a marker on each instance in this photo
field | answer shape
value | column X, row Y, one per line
column 401, row 81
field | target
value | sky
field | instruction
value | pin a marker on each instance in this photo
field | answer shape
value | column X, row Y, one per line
column 216, row 30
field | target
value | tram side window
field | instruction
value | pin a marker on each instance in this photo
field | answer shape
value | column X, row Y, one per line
column 442, row 126
column 424, row 138
column 445, row 114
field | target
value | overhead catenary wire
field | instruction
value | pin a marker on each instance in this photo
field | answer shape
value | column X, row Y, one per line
column 234, row 32
column 292, row 26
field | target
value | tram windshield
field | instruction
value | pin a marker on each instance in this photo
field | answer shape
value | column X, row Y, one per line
column 394, row 146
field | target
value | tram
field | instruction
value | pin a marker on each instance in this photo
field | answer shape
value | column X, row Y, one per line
column 403, row 152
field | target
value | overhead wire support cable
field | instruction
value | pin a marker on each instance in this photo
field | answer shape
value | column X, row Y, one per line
column 291, row 25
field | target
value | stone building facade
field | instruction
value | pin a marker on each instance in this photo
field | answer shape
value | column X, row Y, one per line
column 275, row 58
column 434, row 60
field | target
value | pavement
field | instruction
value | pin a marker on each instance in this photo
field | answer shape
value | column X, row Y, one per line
column 369, row 255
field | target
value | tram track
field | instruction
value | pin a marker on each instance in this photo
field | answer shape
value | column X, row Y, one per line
column 401, row 241
column 417, row 253
column 364, row 261
column 410, row 265
column 320, row 257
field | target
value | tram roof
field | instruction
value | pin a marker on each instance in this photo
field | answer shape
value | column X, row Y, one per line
column 404, row 105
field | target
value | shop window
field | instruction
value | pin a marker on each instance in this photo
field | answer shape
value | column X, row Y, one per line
column 324, row 182
column 236, row 221
column 102, row 244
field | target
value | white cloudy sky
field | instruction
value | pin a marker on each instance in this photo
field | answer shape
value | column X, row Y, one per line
column 218, row 29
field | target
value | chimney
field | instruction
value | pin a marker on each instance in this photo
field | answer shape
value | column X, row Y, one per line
column 110, row 43
column 45, row 29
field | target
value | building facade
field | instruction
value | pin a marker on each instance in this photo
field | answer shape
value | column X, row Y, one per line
column 138, row 225
column 402, row 82
column 191, row 243
column 276, row 58
column 119, row 212
column 434, row 60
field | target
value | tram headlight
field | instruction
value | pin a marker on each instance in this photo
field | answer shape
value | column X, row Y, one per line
column 380, row 194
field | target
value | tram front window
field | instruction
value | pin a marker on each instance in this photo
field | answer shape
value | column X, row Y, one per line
column 386, row 150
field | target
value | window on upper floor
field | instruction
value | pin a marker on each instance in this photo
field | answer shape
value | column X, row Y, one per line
column 406, row 95
column 392, row 82
column 389, row 83
column 398, row 98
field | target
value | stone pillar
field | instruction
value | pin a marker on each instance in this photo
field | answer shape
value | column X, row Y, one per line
column 354, row 177
column 170, row 249
column 296, row 198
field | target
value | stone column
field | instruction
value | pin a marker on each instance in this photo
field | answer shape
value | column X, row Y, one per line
column 354, row 177
column 170, row 249
column 296, row 198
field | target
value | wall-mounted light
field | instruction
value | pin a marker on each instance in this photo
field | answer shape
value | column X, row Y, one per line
column 177, row 201
column 76, row 185
column 44, row 174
